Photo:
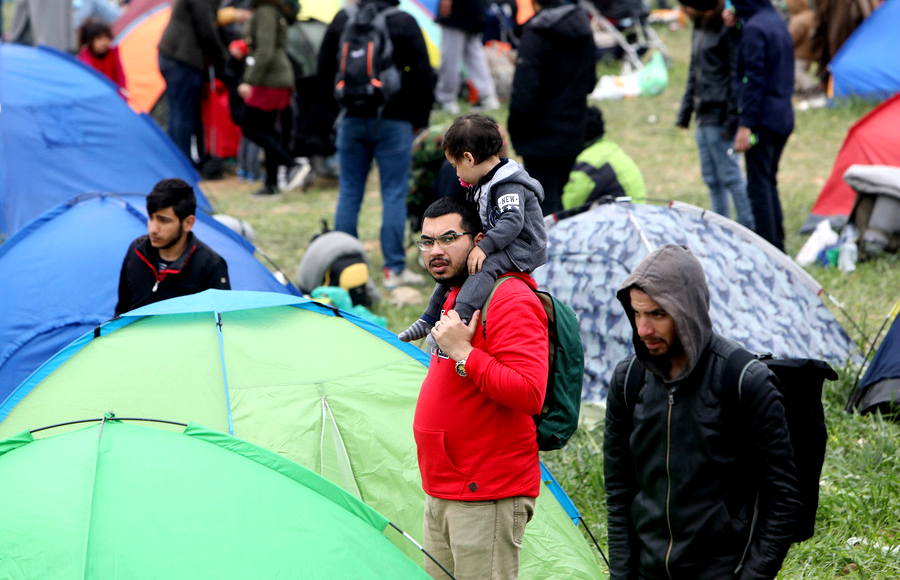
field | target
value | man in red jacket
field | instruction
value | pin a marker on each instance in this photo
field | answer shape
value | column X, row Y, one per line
column 477, row 451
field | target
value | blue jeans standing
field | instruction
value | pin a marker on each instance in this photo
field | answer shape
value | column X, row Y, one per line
column 183, row 86
column 389, row 142
column 722, row 174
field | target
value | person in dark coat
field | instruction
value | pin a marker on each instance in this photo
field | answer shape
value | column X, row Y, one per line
column 765, row 83
column 555, row 71
column 690, row 493
column 169, row 261
column 383, row 133
column 189, row 44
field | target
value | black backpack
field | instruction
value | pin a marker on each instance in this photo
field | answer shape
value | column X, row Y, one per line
column 558, row 419
column 800, row 382
column 366, row 75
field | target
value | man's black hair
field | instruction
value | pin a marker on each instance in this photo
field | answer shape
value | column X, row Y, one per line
column 447, row 205
column 92, row 28
column 175, row 193
column 477, row 134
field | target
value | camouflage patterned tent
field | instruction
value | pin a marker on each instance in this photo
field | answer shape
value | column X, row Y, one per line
column 758, row 295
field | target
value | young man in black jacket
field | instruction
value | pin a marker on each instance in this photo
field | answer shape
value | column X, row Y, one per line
column 169, row 261
column 695, row 488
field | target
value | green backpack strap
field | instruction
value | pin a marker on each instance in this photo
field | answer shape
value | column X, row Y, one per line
column 484, row 309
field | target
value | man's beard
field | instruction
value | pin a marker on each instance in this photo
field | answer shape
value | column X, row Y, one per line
column 175, row 240
column 453, row 280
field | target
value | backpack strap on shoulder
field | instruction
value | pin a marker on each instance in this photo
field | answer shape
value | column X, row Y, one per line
column 735, row 368
column 484, row 308
column 634, row 380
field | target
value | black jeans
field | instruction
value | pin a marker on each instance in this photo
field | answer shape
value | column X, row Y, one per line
column 762, row 185
column 260, row 127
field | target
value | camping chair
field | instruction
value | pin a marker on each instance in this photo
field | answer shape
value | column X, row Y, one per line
column 624, row 25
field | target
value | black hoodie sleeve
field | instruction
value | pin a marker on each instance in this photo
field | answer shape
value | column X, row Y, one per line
column 621, row 485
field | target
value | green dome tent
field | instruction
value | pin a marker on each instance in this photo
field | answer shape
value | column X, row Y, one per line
column 324, row 388
column 118, row 500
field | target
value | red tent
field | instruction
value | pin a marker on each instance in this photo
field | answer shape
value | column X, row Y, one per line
column 873, row 140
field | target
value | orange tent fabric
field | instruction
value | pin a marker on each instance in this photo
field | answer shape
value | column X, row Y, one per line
column 137, row 49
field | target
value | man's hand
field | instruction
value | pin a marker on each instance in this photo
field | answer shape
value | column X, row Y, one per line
column 729, row 17
column 453, row 336
column 742, row 139
column 244, row 90
column 242, row 14
column 475, row 260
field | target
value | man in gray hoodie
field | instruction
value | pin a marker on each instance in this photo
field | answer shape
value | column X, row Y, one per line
column 695, row 489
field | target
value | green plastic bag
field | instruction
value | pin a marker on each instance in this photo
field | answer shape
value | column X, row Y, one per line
column 654, row 77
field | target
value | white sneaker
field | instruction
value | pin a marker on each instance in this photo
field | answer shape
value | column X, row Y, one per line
column 407, row 277
column 488, row 104
column 298, row 174
column 451, row 107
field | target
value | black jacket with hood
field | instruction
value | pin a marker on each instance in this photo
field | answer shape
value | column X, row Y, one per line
column 765, row 67
column 198, row 268
column 413, row 102
column 710, row 90
column 681, row 479
column 555, row 71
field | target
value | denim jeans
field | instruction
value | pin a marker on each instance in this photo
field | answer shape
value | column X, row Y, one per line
column 183, row 86
column 722, row 174
column 389, row 142
column 762, row 184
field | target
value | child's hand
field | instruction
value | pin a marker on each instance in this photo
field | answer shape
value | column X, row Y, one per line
column 476, row 259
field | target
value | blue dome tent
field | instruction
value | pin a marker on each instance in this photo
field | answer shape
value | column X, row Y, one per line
column 64, row 131
column 868, row 63
column 59, row 275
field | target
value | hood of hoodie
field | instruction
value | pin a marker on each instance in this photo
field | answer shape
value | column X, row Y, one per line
column 562, row 24
column 673, row 277
column 747, row 8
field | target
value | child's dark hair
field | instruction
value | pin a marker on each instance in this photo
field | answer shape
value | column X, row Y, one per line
column 477, row 134
column 452, row 204
column 175, row 193
column 92, row 28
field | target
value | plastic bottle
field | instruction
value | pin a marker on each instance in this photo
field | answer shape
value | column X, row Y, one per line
column 848, row 251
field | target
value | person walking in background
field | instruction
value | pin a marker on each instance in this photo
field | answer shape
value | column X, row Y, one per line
column 95, row 38
column 689, row 493
column 710, row 96
column 267, row 85
column 382, row 131
column 765, row 83
column 555, row 71
column 462, row 26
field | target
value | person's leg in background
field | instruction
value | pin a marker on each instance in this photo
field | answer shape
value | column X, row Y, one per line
column 552, row 173
column 480, row 73
column 762, row 166
column 393, row 151
column 447, row 91
column 706, row 142
column 183, row 85
column 355, row 153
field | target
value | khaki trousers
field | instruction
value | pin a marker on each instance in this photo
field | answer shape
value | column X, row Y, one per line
column 476, row 540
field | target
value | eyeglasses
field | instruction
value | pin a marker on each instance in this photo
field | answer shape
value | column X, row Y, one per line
column 426, row 244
